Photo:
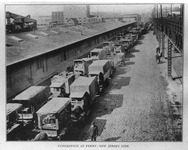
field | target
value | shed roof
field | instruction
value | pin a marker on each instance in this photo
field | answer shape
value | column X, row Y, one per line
column 55, row 105
column 31, row 47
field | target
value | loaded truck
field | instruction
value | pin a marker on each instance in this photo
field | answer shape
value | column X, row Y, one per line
column 54, row 118
column 81, row 65
column 102, row 70
column 32, row 99
column 83, row 92
column 60, row 84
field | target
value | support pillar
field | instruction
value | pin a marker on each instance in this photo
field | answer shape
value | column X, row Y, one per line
column 169, row 58
column 163, row 45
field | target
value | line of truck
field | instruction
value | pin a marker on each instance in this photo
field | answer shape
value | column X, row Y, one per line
column 67, row 102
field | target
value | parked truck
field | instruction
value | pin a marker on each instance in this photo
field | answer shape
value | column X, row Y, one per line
column 81, row 65
column 14, row 121
column 60, row 84
column 83, row 93
column 102, row 70
column 108, row 46
column 97, row 54
column 32, row 99
column 54, row 118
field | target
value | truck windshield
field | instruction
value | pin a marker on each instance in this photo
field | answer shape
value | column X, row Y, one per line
column 94, row 53
column 105, row 44
column 49, row 122
column 77, row 63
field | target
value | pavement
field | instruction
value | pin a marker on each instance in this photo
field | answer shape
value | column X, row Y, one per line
column 141, row 103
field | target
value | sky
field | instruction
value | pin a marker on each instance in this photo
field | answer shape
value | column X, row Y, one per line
column 36, row 10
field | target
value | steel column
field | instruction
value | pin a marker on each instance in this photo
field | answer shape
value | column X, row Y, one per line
column 169, row 57
column 163, row 44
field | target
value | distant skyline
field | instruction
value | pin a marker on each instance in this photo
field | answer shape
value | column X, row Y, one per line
column 45, row 10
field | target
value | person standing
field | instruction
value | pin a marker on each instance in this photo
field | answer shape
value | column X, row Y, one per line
column 93, row 131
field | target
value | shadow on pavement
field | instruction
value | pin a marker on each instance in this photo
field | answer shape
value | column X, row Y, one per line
column 129, row 63
column 113, row 138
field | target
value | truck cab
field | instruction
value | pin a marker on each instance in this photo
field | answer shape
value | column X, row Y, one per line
column 117, row 48
column 81, row 66
column 54, row 118
column 60, row 85
column 32, row 99
column 97, row 54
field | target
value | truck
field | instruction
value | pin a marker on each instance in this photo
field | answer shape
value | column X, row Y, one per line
column 83, row 93
column 14, row 122
column 118, row 48
column 54, row 118
column 109, row 46
column 81, row 65
column 32, row 99
column 126, row 44
column 60, row 84
column 97, row 54
column 102, row 70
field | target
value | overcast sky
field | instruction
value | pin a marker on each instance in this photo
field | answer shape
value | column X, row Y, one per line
column 40, row 10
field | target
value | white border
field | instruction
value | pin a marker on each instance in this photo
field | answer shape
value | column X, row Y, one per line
column 54, row 145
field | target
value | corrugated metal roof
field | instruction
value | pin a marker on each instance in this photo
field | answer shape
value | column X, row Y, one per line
column 54, row 106
column 11, row 107
column 33, row 47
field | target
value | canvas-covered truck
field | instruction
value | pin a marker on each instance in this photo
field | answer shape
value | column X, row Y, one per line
column 14, row 121
column 54, row 118
column 83, row 93
column 102, row 70
column 81, row 65
column 60, row 84
column 32, row 99
column 97, row 54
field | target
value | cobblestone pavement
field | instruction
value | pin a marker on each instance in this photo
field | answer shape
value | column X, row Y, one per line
column 134, row 107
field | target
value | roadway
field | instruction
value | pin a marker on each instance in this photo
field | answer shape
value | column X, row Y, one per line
column 135, row 106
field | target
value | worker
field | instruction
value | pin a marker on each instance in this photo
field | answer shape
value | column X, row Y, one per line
column 93, row 131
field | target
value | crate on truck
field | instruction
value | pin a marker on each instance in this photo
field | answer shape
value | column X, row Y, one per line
column 83, row 93
column 32, row 99
column 102, row 70
column 54, row 118
column 60, row 84
column 81, row 65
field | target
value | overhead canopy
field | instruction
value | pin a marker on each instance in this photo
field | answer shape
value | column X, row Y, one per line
column 55, row 105
column 11, row 107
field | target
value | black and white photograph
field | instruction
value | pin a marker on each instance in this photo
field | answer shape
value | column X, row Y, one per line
column 94, row 73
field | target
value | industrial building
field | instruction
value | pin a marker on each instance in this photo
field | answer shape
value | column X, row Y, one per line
column 58, row 17
column 80, row 12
